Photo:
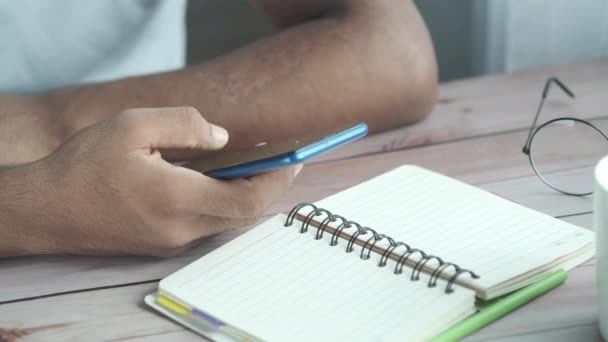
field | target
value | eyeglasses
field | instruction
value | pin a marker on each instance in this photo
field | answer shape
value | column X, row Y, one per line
column 574, row 141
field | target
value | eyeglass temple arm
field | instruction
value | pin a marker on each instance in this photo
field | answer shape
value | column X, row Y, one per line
column 551, row 80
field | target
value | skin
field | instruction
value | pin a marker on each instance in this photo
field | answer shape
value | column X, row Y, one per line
column 111, row 191
column 95, row 171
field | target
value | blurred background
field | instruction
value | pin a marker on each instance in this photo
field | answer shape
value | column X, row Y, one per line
column 471, row 37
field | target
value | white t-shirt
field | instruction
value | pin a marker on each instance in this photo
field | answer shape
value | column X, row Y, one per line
column 47, row 44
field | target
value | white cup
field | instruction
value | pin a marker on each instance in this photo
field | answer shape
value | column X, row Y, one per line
column 600, row 223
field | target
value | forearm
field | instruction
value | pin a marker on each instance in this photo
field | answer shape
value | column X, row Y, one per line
column 366, row 63
column 28, row 129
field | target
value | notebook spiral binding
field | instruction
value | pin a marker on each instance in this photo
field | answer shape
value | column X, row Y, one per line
column 371, row 242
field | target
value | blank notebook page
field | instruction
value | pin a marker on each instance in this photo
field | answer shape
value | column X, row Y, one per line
column 280, row 285
column 475, row 229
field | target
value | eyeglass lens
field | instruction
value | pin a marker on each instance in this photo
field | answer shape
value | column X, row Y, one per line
column 570, row 146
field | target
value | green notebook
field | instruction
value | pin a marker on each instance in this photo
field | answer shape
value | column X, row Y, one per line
column 410, row 255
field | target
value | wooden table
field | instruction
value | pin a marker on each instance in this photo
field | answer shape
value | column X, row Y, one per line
column 475, row 134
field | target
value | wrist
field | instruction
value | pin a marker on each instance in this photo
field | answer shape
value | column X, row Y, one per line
column 23, row 208
column 77, row 108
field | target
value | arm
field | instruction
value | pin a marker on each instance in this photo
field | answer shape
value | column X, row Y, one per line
column 107, row 190
column 334, row 62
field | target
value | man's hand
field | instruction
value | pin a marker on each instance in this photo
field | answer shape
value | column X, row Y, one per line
column 108, row 190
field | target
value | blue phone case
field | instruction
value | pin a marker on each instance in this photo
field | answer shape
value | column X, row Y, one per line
column 295, row 157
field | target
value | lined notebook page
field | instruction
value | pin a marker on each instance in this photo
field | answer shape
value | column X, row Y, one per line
column 477, row 230
column 280, row 285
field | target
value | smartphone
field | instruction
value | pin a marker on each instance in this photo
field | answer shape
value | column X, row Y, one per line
column 269, row 156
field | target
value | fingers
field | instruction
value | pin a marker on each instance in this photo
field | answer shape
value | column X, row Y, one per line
column 198, row 228
column 240, row 198
column 211, row 225
column 206, row 206
column 248, row 197
column 177, row 127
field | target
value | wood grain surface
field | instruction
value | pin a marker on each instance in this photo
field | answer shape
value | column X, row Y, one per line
column 475, row 135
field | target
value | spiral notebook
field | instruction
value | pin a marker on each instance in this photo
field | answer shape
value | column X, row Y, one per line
column 409, row 255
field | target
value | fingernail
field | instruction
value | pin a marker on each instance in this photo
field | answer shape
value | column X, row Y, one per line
column 297, row 169
column 220, row 134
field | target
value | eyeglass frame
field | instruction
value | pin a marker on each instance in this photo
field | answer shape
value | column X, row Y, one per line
column 532, row 132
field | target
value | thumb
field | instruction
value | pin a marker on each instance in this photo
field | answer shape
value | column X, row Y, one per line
column 171, row 128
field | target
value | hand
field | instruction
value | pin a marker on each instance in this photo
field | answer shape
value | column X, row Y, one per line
column 108, row 189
